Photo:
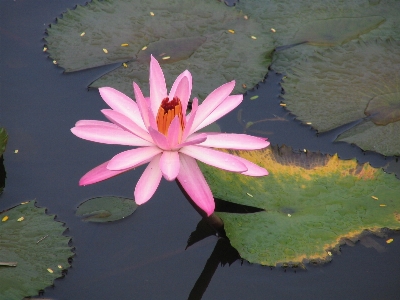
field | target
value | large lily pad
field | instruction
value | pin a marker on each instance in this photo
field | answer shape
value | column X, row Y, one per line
column 321, row 23
column 348, row 83
column 33, row 251
column 106, row 209
column 325, row 22
column 312, row 203
column 206, row 37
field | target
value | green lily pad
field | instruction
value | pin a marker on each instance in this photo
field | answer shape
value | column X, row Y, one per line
column 106, row 209
column 349, row 83
column 209, row 39
column 336, row 31
column 312, row 203
column 326, row 21
column 33, row 251
column 3, row 140
column 384, row 109
column 321, row 23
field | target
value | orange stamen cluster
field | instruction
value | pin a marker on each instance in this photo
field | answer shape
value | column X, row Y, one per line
column 167, row 112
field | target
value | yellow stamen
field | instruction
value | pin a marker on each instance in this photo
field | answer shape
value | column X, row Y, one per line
column 167, row 112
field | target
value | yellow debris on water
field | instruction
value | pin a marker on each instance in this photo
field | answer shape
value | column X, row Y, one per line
column 44, row 49
column 382, row 205
column 50, row 270
column 83, row 33
column 54, row 62
column 254, row 97
column 329, row 253
column 105, row 50
column 250, row 195
column 20, row 219
column 5, row 218
column 16, row 151
column 389, row 241
column 26, row 202
column 245, row 17
column 231, row 31
column 308, row 123
column 124, row 45
column 282, row 104
column 374, row 197
column 166, row 57
column 253, row 37
column 273, row 30
column 125, row 65
column 144, row 48
column 59, row 266
column 289, row 215
column 151, row 14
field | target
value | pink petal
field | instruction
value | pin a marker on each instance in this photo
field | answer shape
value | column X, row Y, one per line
column 107, row 135
column 158, row 88
column 148, row 182
column 96, row 123
column 126, row 123
column 190, row 119
column 174, row 131
column 152, row 118
column 143, row 104
column 169, row 164
column 252, row 169
column 212, row 101
column 98, row 174
column 229, row 104
column 215, row 158
column 182, row 89
column 121, row 103
column 194, row 139
column 159, row 139
column 132, row 158
column 194, row 183
column 234, row 141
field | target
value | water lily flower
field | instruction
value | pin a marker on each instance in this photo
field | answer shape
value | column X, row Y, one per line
column 166, row 138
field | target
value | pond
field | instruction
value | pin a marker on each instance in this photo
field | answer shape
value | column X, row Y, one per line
column 144, row 256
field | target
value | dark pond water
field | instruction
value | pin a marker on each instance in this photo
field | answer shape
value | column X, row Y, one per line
column 144, row 256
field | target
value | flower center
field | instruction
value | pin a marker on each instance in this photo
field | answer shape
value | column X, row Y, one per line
column 167, row 112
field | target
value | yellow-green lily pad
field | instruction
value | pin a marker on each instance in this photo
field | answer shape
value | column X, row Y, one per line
column 33, row 251
column 312, row 203
column 348, row 83
column 206, row 37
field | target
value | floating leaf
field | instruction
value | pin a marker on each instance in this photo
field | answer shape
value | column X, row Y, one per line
column 336, row 31
column 311, row 201
column 22, row 244
column 348, row 83
column 106, row 209
column 324, row 22
column 321, row 23
column 3, row 140
column 192, row 34
column 384, row 109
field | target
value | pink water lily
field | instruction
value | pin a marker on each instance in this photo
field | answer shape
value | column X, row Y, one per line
column 166, row 137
